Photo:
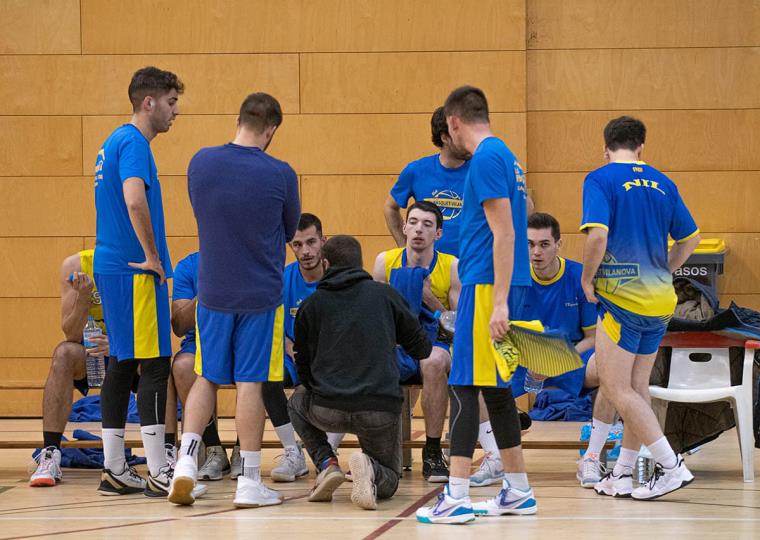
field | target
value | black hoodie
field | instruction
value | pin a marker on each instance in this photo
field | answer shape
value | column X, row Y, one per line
column 345, row 338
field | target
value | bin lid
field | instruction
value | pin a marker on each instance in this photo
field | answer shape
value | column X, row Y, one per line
column 707, row 245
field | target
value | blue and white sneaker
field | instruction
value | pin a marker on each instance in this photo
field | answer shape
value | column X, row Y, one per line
column 490, row 472
column 508, row 501
column 447, row 510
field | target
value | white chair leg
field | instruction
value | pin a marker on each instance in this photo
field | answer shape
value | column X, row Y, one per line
column 743, row 416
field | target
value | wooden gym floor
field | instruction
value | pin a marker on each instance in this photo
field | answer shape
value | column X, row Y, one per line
column 717, row 505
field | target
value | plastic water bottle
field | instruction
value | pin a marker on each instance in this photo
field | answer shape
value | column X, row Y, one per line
column 447, row 320
column 644, row 465
column 532, row 384
column 95, row 365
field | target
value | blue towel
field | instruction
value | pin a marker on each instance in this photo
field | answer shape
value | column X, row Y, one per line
column 556, row 404
column 87, row 409
column 88, row 458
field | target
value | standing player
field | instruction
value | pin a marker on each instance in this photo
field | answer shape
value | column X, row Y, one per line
column 423, row 227
column 439, row 179
column 629, row 209
column 246, row 205
column 495, row 275
column 131, row 266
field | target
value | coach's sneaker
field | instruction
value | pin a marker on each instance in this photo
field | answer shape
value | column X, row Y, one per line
column 664, row 481
column 292, row 465
column 590, row 471
column 171, row 454
column 447, row 510
column 363, row 491
column 490, row 472
column 216, row 464
column 158, row 486
column 509, row 501
column 124, row 483
column 434, row 468
column 328, row 480
column 252, row 494
column 615, row 486
column 182, row 490
column 48, row 472
column 236, row 463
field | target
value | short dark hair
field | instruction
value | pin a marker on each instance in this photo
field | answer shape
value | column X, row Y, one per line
column 260, row 111
column 343, row 250
column 468, row 103
column 152, row 81
column 438, row 127
column 624, row 132
column 427, row 206
column 310, row 220
column 540, row 220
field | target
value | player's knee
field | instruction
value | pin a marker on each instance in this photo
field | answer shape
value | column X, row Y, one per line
column 155, row 370
column 67, row 358
column 436, row 366
column 183, row 367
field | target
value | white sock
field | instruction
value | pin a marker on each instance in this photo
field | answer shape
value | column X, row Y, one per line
column 287, row 435
column 251, row 464
column 487, row 439
column 190, row 445
column 459, row 488
column 153, row 444
column 113, row 450
column 625, row 462
column 335, row 439
column 516, row 480
column 599, row 432
column 663, row 453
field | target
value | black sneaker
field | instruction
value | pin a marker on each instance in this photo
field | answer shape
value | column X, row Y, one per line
column 121, row 484
column 434, row 468
column 158, row 486
column 525, row 420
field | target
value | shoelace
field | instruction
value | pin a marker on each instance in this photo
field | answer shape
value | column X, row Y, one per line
column 658, row 472
column 590, row 466
column 132, row 474
column 437, row 461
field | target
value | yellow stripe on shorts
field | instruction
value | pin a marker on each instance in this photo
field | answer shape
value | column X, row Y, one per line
column 611, row 327
column 198, row 365
column 277, row 356
column 145, row 316
column 484, row 356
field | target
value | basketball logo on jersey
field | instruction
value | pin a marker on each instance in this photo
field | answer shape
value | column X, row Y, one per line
column 99, row 166
column 448, row 201
column 520, row 178
column 612, row 274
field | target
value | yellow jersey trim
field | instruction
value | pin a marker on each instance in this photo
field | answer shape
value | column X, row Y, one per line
column 685, row 238
column 589, row 225
column 557, row 277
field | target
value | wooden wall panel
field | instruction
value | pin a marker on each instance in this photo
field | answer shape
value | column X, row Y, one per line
column 94, row 85
column 751, row 301
column 25, row 369
column 408, row 82
column 724, row 201
column 372, row 246
column 31, row 266
column 178, row 213
column 616, row 79
column 581, row 24
column 67, row 205
column 695, row 140
column 347, row 204
column 243, row 26
column 29, row 327
column 40, row 146
column 312, row 144
column 39, row 27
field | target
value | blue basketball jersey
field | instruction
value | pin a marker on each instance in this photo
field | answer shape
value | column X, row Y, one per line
column 185, row 286
column 295, row 291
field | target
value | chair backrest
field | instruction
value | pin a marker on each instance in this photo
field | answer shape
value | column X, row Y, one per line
column 699, row 368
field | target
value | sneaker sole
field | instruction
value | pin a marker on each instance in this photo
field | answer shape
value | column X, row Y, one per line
column 155, row 493
column 437, row 479
column 529, row 511
column 257, row 504
column 42, row 482
column 110, row 491
column 363, row 489
column 456, row 520
column 617, row 494
column 278, row 477
column 324, row 491
column 182, row 491
column 683, row 485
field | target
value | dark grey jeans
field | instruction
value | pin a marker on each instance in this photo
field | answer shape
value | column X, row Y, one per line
column 378, row 433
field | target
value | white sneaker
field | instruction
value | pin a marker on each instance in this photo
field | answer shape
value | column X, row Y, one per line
column 171, row 454
column 158, row 486
column 490, row 472
column 615, row 486
column 292, row 465
column 363, row 491
column 252, row 494
column 48, row 472
column 183, row 483
column 236, row 463
column 216, row 464
column 124, row 483
column 664, row 481
column 447, row 510
column 509, row 501
column 590, row 471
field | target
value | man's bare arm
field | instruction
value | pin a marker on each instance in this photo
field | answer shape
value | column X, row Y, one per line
column 593, row 253
column 395, row 222
column 455, row 287
column 378, row 271
column 499, row 217
column 139, row 216
column 75, row 298
column 183, row 316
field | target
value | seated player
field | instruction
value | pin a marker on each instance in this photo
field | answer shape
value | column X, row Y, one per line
column 557, row 300
column 424, row 225
column 79, row 299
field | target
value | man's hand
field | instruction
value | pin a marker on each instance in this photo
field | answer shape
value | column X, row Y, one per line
column 81, row 283
column 100, row 348
column 429, row 299
column 153, row 265
column 589, row 291
column 499, row 324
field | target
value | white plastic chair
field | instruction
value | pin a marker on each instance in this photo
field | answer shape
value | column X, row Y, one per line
column 693, row 380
